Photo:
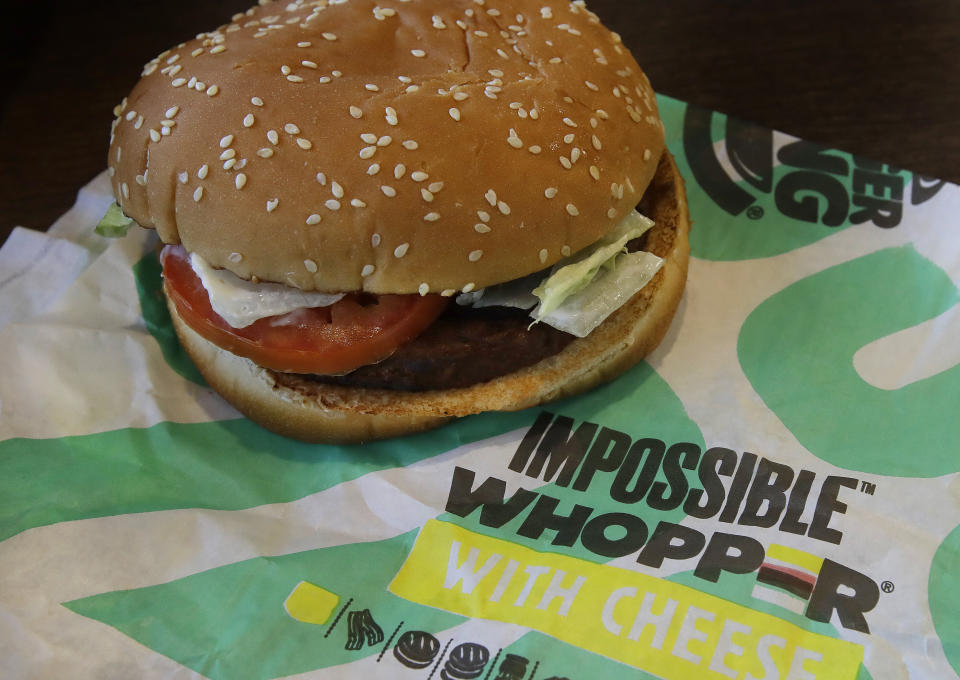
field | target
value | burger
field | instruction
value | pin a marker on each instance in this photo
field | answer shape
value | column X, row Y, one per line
column 381, row 215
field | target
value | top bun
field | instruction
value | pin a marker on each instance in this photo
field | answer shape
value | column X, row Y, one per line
column 389, row 146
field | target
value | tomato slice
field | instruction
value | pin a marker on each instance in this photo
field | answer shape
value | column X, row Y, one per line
column 358, row 330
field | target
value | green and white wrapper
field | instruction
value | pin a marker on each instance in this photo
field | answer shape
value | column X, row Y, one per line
column 808, row 387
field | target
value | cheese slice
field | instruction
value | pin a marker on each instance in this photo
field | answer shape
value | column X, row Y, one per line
column 241, row 302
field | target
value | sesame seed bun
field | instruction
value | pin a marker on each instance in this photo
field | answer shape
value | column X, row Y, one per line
column 298, row 407
column 432, row 146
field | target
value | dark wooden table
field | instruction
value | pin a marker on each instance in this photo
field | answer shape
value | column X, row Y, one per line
column 881, row 79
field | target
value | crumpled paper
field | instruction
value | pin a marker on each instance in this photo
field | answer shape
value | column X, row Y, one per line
column 773, row 493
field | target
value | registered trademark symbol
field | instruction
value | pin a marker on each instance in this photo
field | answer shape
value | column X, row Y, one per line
column 754, row 212
column 887, row 586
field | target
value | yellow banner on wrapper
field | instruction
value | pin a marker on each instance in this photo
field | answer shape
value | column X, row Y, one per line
column 665, row 628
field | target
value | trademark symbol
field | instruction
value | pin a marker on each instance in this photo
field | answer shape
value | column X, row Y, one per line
column 887, row 586
column 754, row 212
column 867, row 488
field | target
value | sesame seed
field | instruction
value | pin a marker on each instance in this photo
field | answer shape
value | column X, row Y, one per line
column 513, row 140
column 412, row 88
column 401, row 250
column 304, row 44
column 595, row 172
column 248, row 120
column 356, row 112
column 373, row 169
column 333, row 204
column 575, row 154
column 229, row 164
column 329, row 36
column 183, row 177
column 427, row 195
column 419, row 176
column 177, row 82
column 369, row 138
column 551, row 192
column 291, row 129
column 375, row 240
column 385, row 140
column 170, row 113
column 481, row 228
column 448, row 292
column 406, row 80
column 569, row 122
column 435, row 187
column 235, row 257
column 399, row 171
column 491, row 197
column 565, row 162
column 272, row 204
column 217, row 49
column 212, row 91
column 475, row 255
column 138, row 123
column 314, row 219
column 336, row 74
column 336, row 189
column 226, row 141
column 503, row 207
column 197, row 194
column 202, row 172
column 125, row 190
column 165, row 131
column 410, row 145
column 154, row 135
column 455, row 113
column 285, row 70
column 240, row 180
column 310, row 266
column 367, row 270
column 304, row 144
column 418, row 53
column 229, row 153
column 265, row 152
column 371, row 87
column 572, row 209
column 591, row 86
column 367, row 152
column 322, row 179
column 543, row 256
column 646, row 154
column 483, row 215
column 295, row 79
column 467, row 288
column 167, row 124
column 388, row 191
column 535, row 114
column 357, row 203
column 431, row 217
column 596, row 143
column 460, row 96
column 569, row 138
column 535, row 149
column 612, row 213
column 309, row 64
column 256, row 101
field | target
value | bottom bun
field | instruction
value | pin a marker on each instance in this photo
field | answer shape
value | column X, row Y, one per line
column 297, row 407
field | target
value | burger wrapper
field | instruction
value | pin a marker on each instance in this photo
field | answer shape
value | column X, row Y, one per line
column 773, row 493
